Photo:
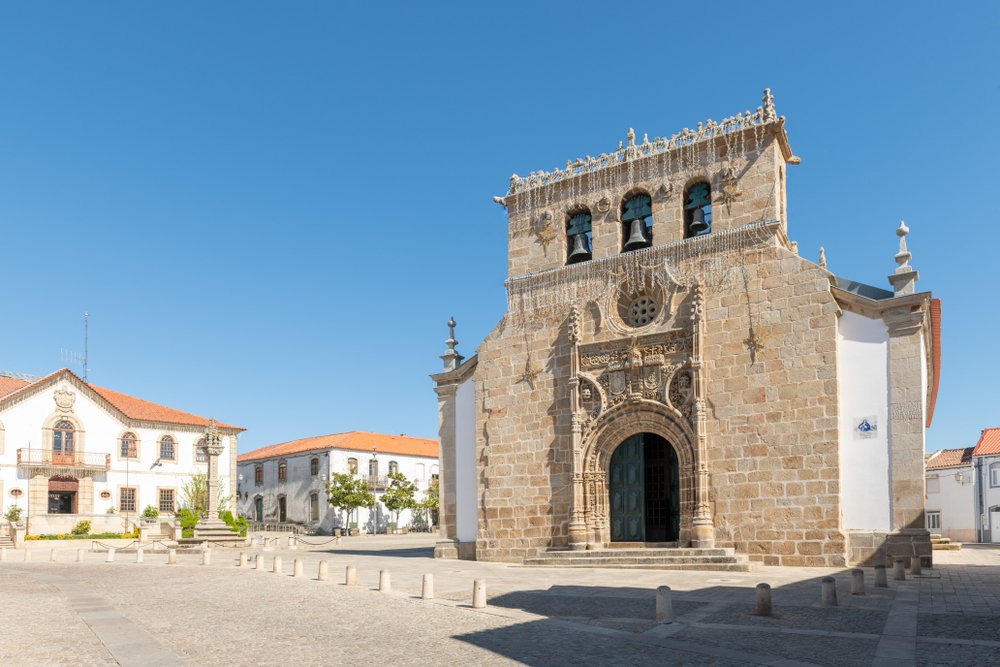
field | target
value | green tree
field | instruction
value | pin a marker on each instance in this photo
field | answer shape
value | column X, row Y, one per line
column 347, row 493
column 399, row 494
column 431, row 501
column 194, row 495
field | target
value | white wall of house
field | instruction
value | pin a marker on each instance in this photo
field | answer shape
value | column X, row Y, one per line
column 988, row 476
column 862, row 373
column 300, row 484
column 950, row 495
column 98, row 431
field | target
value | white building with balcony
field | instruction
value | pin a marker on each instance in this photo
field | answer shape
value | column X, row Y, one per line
column 286, row 483
column 72, row 451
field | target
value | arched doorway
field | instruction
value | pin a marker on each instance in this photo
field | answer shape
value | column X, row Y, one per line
column 258, row 506
column 63, row 493
column 644, row 490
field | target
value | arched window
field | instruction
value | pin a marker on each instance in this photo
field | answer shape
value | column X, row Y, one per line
column 314, row 507
column 698, row 209
column 258, row 475
column 282, row 471
column 168, row 448
column 420, row 471
column 352, row 466
column 200, row 453
column 314, row 467
column 62, row 437
column 373, row 468
column 129, row 446
column 393, row 466
column 637, row 215
column 578, row 237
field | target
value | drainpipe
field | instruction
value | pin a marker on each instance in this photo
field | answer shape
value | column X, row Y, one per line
column 980, row 537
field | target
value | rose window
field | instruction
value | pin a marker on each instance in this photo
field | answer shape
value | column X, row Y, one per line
column 642, row 311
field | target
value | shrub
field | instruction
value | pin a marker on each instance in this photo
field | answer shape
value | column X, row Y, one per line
column 13, row 513
column 150, row 512
column 239, row 523
column 188, row 519
column 81, row 528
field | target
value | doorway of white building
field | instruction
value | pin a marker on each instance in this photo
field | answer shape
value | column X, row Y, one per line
column 995, row 524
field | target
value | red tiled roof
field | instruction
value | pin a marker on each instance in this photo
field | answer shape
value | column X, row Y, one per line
column 130, row 406
column 361, row 441
column 989, row 442
column 10, row 385
column 935, row 357
column 947, row 458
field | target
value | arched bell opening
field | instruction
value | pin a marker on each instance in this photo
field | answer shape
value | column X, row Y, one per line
column 644, row 490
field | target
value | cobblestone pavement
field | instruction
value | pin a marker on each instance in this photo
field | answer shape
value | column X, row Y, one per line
column 151, row 613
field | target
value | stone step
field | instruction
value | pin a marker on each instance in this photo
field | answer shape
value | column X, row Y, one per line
column 946, row 546
column 641, row 552
column 725, row 559
column 706, row 566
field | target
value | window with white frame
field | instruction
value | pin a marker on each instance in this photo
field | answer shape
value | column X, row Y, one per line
column 933, row 484
column 995, row 474
column 934, row 521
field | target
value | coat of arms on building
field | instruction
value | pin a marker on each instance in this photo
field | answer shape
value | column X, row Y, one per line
column 64, row 400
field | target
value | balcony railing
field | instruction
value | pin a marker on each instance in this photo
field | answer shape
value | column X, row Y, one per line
column 57, row 459
column 375, row 482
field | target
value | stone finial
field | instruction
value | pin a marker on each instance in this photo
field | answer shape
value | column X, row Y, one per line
column 631, row 138
column 905, row 276
column 822, row 257
column 769, row 112
column 574, row 324
column 451, row 357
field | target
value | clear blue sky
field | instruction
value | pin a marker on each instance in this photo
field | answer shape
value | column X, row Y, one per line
column 271, row 209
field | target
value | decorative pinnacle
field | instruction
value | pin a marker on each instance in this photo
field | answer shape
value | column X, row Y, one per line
column 903, row 256
column 822, row 257
column 768, row 100
column 631, row 137
column 451, row 357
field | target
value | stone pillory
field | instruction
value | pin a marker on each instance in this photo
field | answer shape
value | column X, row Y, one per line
column 671, row 373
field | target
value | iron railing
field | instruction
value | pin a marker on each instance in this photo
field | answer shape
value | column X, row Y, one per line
column 375, row 482
column 54, row 458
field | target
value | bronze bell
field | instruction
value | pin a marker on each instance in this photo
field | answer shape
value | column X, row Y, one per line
column 637, row 239
column 698, row 224
column 581, row 249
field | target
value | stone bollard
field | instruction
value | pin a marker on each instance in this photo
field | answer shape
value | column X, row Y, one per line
column 337, row 543
column 324, row 571
column 915, row 566
column 206, row 557
column 171, row 556
column 857, row 581
column 664, row 605
column 297, row 569
column 259, row 562
column 427, row 590
column 243, row 560
column 351, row 576
column 139, row 555
column 881, row 580
column 898, row 571
column 479, row 594
column 52, row 555
column 27, row 555
column 276, row 566
column 3, row 553
column 384, row 581
column 291, row 541
column 81, row 555
column 829, row 591
column 111, row 555
column 764, row 600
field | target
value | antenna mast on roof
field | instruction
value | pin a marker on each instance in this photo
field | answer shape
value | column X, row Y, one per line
column 74, row 357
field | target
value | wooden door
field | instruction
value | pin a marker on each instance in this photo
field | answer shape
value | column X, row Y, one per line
column 628, row 520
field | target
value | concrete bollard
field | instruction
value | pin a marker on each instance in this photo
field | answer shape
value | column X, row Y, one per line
column 258, row 562
column 898, row 571
column 27, row 555
column 139, row 555
column 276, row 566
column 52, row 555
column 351, row 576
column 829, row 591
column 81, row 555
column 764, row 600
column 171, row 556
column 664, row 605
column 881, row 579
column 323, row 573
column 291, row 541
column 915, row 566
column 337, row 543
column 857, row 581
column 384, row 581
column 479, row 594
column 297, row 568
column 427, row 590
column 3, row 553
column 110, row 558
column 243, row 560
column 206, row 557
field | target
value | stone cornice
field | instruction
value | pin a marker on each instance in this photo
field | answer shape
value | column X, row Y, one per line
column 862, row 305
column 457, row 376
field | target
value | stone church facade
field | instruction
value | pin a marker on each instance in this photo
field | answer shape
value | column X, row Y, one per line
column 670, row 372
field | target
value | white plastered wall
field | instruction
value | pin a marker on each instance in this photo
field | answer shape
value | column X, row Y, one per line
column 862, row 372
column 466, row 522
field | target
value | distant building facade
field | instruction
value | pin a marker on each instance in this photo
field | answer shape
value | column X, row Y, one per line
column 951, row 494
column 286, row 483
column 72, row 451
column 986, row 460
